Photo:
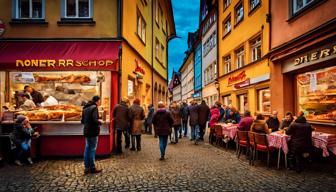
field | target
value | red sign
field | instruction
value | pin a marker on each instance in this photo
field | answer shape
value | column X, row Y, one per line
column 2, row 28
column 59, row 55
column 138, row 68
column 238, row 78
column 242, row 84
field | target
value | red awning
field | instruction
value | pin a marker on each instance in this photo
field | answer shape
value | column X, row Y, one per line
column 59, row 55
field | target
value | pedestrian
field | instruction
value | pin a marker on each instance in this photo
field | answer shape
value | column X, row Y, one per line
column 214, row 118
column 300, row 142
column 259, row 125
column 162, row 121
column 246, row 122
column 28, row 104
column 227, row 114
column 221, row 111
column 35, row 96
column 121, row 123
column 136, row 115
column 185, row 116
column 273, row 121
column 149, row 119
column 193, row 122
column 91, row 132
column 287, row 121
column 176, row 114
column 203, row 116
column 23, row 133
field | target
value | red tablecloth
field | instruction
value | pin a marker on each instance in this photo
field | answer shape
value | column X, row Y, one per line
column 229, row 130
column 278, row 140
column 324, row 141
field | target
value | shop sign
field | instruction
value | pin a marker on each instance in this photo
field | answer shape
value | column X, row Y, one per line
column 318, row 55
column 61, row 63
column 242, row 84
column 139, row 71
column 196, row 95
column 260, row 79
column 2, row 28
column 238, row 78
column 130, row 87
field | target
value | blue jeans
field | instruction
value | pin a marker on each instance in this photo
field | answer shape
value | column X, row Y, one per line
column 90, row 152
column 163, row 144
column 185, row 127
column 176, row 132
column 195, row 132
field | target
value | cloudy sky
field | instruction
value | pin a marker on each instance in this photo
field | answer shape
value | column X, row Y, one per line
column 186, row 15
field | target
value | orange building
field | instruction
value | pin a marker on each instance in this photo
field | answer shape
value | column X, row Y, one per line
column 303, row 60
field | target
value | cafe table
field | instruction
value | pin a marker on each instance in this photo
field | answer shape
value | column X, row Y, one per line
column 229, row 129
column 279, row 140
column 324, row 141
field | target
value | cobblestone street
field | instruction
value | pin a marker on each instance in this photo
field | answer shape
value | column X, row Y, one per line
column 187, row 168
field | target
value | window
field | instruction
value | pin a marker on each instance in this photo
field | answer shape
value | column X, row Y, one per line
column 162, row 53
column 254, row 4
column 157, row 48
column 264, row 100
column 227, row 100
column 242, row 102
column 157, row 11
column 226, row 3
column 300, row 4
column 239, row 12
column 255, row 49
column 227, row 64
column 141, row 27
column 209, row 44
column 316, row 94
column 227, row 25
column 77, row 9
column 240, row 57
column 29, row 9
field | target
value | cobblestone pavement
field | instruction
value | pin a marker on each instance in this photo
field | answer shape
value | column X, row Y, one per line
column 187, row 168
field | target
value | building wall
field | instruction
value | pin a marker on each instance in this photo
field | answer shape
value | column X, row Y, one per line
column 104, row 14
column 257, row 73
column 177, row 94
column 211, row 56
column 142, row 87
column 295, row 27
column 187, row 78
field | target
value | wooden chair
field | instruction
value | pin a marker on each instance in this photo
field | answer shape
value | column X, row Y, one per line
column 219, row 134
column 251, row 146
column 261, row 144
column 242, row 141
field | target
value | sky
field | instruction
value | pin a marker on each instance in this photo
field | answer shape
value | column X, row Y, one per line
column 186, row 15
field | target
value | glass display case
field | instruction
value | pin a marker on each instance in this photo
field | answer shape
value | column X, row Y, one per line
column 317, row 94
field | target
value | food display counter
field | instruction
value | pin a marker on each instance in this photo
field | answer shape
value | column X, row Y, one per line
column 92, row 69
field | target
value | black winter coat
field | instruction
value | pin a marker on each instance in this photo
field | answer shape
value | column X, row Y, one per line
column 193, row 111
column 273, row 123
column 37, row 97
column 22, row 134
column 90, row 120
column 203, row 113
column 301, row 136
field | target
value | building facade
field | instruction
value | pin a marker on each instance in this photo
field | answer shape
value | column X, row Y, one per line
column 208, row 28
column 303, row 60
column 198, row 69
column 244, row 73
column 187, row 78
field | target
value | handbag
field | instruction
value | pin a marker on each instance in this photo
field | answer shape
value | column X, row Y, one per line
column 25, row 145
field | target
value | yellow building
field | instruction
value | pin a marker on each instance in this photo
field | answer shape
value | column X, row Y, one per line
column 244, row 73
column 146, row 28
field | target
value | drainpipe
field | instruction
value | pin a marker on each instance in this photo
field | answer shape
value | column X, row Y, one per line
column 153, row 54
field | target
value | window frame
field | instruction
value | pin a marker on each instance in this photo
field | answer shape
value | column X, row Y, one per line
column 16, row 11
column 227, row 64
column 224, row 26
column 239, row 102
column 142, row 33
column 254, row 44
column 235, row 12
column 251, row 9
column 240, row 53
column 260, row 102
column 226, row 4
column 64, row 10
column 305, row 4
column 228, row 99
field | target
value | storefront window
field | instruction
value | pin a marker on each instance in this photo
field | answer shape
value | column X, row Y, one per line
column 71, row 90
column 317, row 94
column 264, row 100
column 242, row 102
column 227, row 100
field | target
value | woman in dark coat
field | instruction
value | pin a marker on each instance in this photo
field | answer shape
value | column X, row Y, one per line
column 300, row 141
column 176, row 114
column 163, row 122
column 203, row 116
column 23, row 133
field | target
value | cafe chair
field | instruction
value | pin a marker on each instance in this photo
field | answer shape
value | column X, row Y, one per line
column 261, row 144
column 251, row 146
column 219, row 134
column 242, row 142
